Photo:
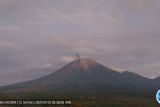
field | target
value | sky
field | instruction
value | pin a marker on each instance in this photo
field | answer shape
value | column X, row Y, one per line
column 37, row 37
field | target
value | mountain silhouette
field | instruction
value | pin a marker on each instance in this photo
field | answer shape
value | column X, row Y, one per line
column 84, row 74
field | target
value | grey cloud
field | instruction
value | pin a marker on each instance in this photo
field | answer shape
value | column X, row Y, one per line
column 38, row 35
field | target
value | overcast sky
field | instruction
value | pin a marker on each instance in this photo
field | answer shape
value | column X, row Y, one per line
column 39, row 36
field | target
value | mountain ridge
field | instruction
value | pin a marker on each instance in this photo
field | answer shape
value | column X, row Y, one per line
column 85, row 74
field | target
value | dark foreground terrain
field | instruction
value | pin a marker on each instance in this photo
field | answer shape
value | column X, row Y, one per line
column 87, row 84
column 83, row 99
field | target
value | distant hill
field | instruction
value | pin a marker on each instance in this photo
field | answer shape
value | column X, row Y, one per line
column 85, row 74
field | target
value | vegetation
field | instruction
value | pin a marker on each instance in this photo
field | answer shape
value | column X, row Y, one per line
column 83, row 99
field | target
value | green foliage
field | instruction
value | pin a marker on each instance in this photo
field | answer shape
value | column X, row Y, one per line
column 83, row 99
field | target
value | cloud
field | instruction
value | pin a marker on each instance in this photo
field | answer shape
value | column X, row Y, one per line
column 38, row 35
column 67, row 59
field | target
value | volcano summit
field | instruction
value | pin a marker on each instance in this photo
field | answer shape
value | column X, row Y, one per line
column 84, row 74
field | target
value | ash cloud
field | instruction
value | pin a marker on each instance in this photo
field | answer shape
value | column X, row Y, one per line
column 38, row 35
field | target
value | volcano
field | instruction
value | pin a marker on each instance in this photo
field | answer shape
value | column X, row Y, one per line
column 84, row 74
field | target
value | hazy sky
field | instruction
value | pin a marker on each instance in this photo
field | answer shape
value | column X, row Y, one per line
column 39, row 36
